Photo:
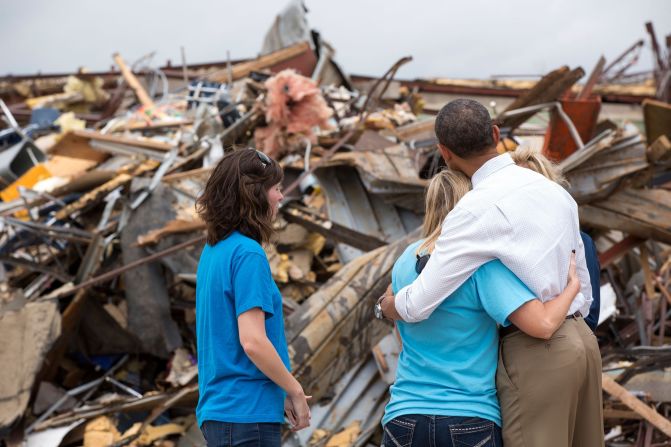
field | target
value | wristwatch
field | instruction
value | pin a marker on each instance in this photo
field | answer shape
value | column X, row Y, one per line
column 377, row 309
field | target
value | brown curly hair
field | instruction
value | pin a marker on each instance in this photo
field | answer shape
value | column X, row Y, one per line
column 236, row 198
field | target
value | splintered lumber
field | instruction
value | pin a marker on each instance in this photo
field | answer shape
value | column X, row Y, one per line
column 417, row 130
column 346, row 437
column 145, row 143
column 649, row 414
column 127, row 405
column 645, row 213
column 618, row 250
column 657, row 116
column 341, row 328
column 243, row 69
column 28, row 334
column 593, row 79
column 647, row 272
column 659, row 152
column 130, row 78
column 550, row 88
column 596, row 176
column 318, row 301
column 176, row 226
column 313, row 221
column 97, row 194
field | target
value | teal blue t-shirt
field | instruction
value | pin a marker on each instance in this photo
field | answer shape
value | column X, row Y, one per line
column 447, row 366
column 233, row 277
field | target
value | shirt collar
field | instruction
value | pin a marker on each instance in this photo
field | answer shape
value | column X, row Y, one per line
column 490, row 167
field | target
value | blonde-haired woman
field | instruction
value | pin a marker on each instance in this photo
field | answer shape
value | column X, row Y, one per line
column 528, row 158
column 445, row 393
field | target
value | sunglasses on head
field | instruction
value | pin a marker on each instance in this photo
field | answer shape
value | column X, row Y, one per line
column 263, row 158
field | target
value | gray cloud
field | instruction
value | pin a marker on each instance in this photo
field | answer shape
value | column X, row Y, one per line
column 446, row 38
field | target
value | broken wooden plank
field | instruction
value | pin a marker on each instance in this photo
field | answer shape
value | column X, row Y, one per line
column 133, row 82
column 650, row 206
column 594, row 76
column 579, row 157
column 96, row 195
column 548, row 89
column 657, row 116
column 320, row 224
column 318, row 301
column 177, row 226
column 145, row 143
column 649, row 414
column 187, row 174
column 659, row 151
column 597, row 217
column 618, row 250
column 611, row 413
column 28, row 334
column 342, row 333
column 647, row 272
column 243, row 69
column 419, row 130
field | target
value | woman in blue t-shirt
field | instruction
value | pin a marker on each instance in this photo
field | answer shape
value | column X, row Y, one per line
column 445, row 390
column 245, row 386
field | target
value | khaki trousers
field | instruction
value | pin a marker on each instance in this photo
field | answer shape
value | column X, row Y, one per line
column 550, row 390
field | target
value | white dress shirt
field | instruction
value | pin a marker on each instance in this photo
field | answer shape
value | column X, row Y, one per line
column 516, row 215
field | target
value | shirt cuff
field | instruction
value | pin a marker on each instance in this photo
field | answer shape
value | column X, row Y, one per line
column 401, row 304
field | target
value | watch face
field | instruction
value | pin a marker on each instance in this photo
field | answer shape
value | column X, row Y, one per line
column 377, row 310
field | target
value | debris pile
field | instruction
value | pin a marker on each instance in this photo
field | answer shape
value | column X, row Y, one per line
column 100, row 240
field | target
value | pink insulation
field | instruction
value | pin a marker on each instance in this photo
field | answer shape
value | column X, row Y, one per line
column 294, row 107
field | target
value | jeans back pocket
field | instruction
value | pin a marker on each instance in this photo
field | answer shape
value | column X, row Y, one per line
column 398, row 432
column 479, row 434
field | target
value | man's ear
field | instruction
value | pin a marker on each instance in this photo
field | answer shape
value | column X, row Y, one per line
column 445, row 153
column 496, row 134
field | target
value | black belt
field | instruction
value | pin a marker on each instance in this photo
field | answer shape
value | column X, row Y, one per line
column 503, row 331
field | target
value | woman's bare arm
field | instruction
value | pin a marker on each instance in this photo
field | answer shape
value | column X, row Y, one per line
column 541, row 320
column 259, row 349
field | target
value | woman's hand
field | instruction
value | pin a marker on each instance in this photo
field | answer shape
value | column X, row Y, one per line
column 541, row 320
column 573, row 281
column 259, row 349
column 297, row 410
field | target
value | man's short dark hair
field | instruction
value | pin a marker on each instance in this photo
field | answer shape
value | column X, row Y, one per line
column 465, row 128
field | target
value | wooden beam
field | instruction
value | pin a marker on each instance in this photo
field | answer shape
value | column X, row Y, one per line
column 618, row 250
column 657, row 118
column 187, row 174
column 130, row 78
column 548, row 89
column 649, row 414
column 244, row 68
column 647, row 273
column 611, row 413
column 660, row 150
column 593, row 79
column 146, row 143
column 318, row 223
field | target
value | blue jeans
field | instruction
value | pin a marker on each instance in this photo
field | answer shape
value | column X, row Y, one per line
column 231, row 434
column 420, row 430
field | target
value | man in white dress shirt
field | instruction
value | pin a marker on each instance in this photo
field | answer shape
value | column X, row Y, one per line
column 550, row 391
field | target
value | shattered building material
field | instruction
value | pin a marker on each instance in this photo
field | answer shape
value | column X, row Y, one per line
column 29, row 329
column 294, row 106
column 104, row 239
column 549, row 89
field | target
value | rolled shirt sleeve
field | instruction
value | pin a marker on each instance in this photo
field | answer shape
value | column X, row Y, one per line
column 515, row 215
column 466, row 242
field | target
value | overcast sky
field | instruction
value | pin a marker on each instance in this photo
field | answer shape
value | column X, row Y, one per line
column 472, row 38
